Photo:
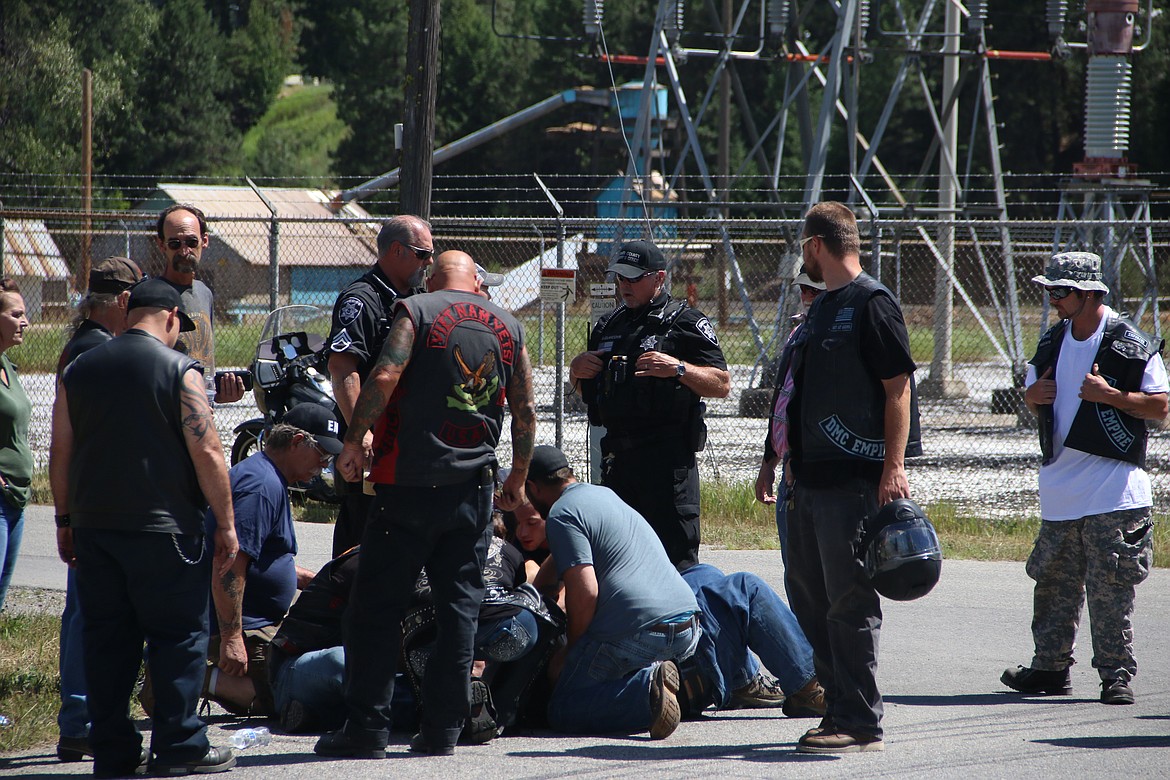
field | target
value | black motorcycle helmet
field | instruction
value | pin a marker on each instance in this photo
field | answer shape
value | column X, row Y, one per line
column 903, row 557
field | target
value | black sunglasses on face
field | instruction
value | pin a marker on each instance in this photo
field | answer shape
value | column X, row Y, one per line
column 1059, row 293
column 635, row 279
column 190, row 242
column 419, row 252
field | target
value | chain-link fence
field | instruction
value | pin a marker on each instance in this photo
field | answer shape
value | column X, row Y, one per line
column 981, row 453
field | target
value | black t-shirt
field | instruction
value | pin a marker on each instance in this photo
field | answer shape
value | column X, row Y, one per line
column 885, row 351
column 361, row 319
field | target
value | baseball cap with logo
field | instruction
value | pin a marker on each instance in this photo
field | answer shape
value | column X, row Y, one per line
column 318, row 421
column 159, row 294
column 114, row 275
column 636, row 258
column 1081, row 270
column 487, row 279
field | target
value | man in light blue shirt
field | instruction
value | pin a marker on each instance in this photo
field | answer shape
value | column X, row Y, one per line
column 631, row 615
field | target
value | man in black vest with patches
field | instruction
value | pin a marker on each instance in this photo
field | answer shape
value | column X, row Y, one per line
column 852, row 421
column 436, row 401
column 1094, row 382
column 647, row 368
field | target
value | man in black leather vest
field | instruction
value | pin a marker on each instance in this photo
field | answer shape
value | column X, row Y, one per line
column 437, row 393
column 134, row 461
column 852, row 421
column 647, row 368
column 361, row 320
column 1094, row 382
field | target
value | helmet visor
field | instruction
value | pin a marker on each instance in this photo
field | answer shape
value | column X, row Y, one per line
column 900, row 542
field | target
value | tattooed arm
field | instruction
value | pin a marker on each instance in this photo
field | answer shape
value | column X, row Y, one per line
column 227, row 591
column 206, row 451
column 375, row 394
column 520, row 402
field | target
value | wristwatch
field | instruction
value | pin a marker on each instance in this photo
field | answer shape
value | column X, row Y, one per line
column 62, row 520
column 680, row 370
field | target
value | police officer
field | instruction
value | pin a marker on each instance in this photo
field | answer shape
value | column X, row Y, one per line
column 361, row 320
column 1094, row 382
column 648, row 365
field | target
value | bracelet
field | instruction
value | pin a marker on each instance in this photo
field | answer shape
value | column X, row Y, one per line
column 62, row 520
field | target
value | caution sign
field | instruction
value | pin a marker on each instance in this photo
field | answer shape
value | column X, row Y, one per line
column 558, row 285
column 601, row 301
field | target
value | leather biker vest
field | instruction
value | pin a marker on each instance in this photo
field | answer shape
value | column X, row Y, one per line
column 1101, row 429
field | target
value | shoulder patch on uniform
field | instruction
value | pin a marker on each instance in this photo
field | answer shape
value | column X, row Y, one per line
column 704, row 327
column 341, row 342
column 349, row 311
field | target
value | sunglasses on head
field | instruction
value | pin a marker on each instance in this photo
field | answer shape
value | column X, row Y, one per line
column 190, row 242
column 1059, row 293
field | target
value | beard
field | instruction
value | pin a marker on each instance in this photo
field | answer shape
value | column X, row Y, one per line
column 542, row 508
column 418, row 278
column 184, row 265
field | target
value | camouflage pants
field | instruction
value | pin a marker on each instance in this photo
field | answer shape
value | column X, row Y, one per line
column 1099, row 556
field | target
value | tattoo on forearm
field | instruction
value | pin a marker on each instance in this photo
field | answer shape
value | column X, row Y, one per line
column 396, row 350
column 232, row 585
column 523, row 409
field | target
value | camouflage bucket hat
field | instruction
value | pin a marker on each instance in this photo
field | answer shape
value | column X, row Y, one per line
column 1081, row 270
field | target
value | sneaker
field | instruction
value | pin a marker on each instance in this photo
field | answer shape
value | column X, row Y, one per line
column 481, row 725
column 214, row 760
column 808, row 702
column 836, row 741
column 295, row 718
column 337, row 744
column 1112, row 692
column 73, row 749
column 1039, row 682
column 420, row 744
column 761, row 693
column 664, row 710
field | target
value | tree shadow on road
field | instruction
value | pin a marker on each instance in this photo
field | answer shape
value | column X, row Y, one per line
column 1111, row 743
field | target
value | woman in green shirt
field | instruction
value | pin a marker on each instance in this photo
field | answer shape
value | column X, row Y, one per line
column 16, row 461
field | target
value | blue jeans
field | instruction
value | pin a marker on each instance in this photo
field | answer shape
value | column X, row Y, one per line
column 741, row 612
column 314, row 679
column 11, row 531
column 605, row 685
column 506, row 639
column 73, row 717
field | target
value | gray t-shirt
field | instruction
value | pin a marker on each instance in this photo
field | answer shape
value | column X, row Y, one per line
column 637, row 584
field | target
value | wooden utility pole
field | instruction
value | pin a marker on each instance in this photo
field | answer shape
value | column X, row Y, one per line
column 421, row 90
column 81, row 281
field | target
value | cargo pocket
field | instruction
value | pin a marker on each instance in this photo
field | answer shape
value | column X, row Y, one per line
column 1134, row 553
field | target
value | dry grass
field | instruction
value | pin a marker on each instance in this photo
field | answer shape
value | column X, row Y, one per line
column 29, row 682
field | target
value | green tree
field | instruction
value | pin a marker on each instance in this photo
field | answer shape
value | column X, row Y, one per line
column 259, row 55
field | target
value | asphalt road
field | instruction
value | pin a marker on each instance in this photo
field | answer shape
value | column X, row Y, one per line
column 947, row 715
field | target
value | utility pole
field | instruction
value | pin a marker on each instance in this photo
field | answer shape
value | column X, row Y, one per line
column 421, row 90
column 81, row 281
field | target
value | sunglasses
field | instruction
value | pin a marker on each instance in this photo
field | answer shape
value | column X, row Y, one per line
column 1059, row 293
column 419, row 252
column 190, row 242
column 635, row 279
column 806, row 239
column 324, row 456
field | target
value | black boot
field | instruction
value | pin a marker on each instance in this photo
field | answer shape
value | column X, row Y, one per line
column 1038, row 681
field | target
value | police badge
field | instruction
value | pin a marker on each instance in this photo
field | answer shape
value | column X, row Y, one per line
column 704, row 327
column 350, row 309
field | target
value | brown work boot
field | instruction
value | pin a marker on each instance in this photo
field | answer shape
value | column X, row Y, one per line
column 838, row 741
column 761, row 693
column 664, row 710
column 808, row 702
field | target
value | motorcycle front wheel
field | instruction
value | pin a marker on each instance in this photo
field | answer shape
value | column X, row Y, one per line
column 247, row 443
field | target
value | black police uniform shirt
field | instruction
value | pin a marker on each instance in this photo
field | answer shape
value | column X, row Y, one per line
column 885, row 349
column 690, row 338
column 361, row 319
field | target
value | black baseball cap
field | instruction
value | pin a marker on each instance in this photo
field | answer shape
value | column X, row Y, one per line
column 318, row 421
column 636, row 258
column 546, row 459
column 159, row 294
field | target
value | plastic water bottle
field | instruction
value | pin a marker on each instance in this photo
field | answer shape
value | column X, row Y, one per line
column 246, row 738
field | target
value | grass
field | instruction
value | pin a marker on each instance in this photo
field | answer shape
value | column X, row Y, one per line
column 29, row 682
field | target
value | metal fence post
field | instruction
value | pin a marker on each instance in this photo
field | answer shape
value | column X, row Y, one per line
column 273, row 248
column 559, row 390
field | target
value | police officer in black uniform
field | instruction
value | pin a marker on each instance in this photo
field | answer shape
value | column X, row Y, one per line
column 361, row 320
column 648, row 366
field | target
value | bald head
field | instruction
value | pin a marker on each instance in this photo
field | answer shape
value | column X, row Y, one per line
column 454, row 270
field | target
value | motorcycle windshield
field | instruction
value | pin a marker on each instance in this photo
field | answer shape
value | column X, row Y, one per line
column 305, row 326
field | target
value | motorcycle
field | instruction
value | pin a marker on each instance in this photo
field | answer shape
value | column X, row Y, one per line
column 289, row 369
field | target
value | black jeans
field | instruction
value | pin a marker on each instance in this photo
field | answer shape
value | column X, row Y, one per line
column 135, row 586
column 838, row 609
column 446, row 529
